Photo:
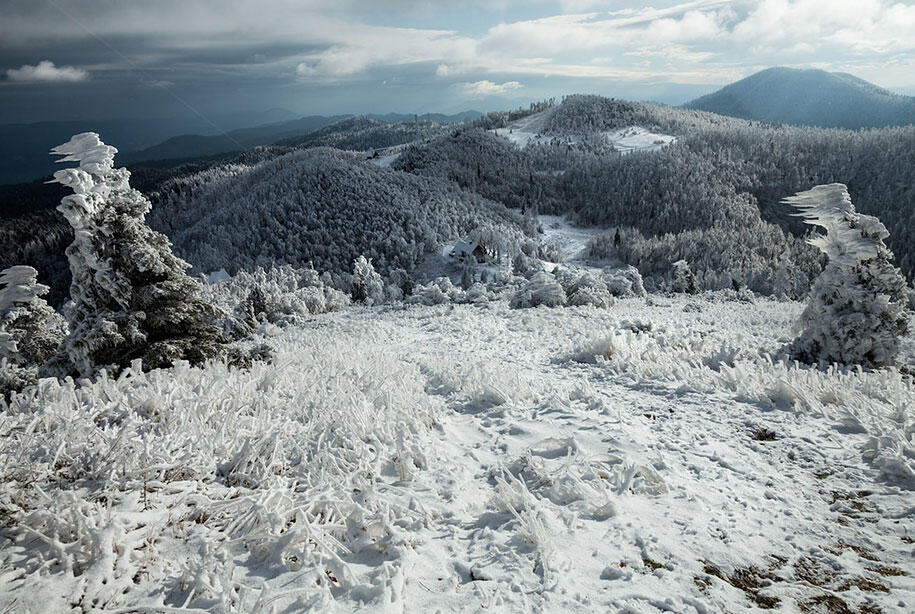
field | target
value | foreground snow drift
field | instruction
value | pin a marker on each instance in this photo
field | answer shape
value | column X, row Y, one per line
column 640, row 458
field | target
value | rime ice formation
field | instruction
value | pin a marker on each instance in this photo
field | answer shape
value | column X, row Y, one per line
column 30, row 330
column 858, row 305
column 20, row 286
column 850, row 236
column 131, row 296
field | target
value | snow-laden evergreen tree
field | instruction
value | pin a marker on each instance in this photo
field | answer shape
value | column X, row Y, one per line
column 34, row 327
column 789, row 281
column 30, row 330
column 131, row 298
column 368, row 286
column 683, row 279
column 858, row 305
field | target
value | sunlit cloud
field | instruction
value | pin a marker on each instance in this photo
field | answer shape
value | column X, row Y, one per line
column 46, row 72
column 484, row 88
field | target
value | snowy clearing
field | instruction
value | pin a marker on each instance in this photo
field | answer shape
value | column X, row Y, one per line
column 571, row 240
column 636, row 138
column 641, row 458
column 625, row 140
column 385, row 156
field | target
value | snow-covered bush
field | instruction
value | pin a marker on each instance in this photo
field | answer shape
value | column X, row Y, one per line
column 682, row 279
column 541, row 289
column 550, row 251
column 131, row 297
column 476, row 293
column 368, row 287
column 624, row 282
column 858, row 305
column 437, row 292
column 583, row 287
column 525, row 266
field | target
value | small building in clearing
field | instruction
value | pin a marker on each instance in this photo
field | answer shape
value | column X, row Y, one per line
column 465, row 250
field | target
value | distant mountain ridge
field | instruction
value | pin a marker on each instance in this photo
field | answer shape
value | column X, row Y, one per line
column 809, row 97
column 287, row 132
column 197, row 146
column 24, row 147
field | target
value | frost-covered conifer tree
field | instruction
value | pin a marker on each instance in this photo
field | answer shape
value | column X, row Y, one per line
column 368, row 286
column 131, row 297
column 857, row 310
column 30, row 330
column 683, row 278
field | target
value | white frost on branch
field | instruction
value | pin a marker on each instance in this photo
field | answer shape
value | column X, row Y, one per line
column 850, row 236
column 19, row 285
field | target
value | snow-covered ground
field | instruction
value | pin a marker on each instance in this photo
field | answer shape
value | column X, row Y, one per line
column 625, row 140
column 636, row 138
column 571, row 240
column 640, row 458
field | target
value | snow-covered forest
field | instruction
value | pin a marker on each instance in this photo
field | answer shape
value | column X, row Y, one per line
column 710, row 197
column 590, row 355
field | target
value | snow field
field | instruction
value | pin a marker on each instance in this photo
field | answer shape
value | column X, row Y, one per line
column 646, row 457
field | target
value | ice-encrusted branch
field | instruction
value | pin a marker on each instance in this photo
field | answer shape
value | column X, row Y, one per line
column 94, row 156
column 19, row 285
column 851, row 237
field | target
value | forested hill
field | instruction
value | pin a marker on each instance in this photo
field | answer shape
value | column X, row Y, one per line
column 324, row 207
column 810, row 98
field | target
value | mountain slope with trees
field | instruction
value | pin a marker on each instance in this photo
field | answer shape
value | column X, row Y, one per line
column 323, row 207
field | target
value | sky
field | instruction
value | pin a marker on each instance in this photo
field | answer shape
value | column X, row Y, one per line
column 90, row 59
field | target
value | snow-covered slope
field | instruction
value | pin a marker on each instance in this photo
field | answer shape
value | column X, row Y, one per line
column 320, row 206
column 626, row 140
column 640, row 458
column 636, row 138
column 571, row 240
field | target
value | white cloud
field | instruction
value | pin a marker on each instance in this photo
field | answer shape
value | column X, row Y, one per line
column 45, row 71
column 484, row 88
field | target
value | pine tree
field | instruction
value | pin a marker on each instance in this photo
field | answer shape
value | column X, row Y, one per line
column 30, row 330
column 34, row 328
column 130, row 296
column 683, row 278
column 858, row 306
column 368, row 286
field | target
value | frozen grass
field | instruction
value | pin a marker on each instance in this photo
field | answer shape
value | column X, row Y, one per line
column 143, row 491
column 714, row 360
column 649, row 456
